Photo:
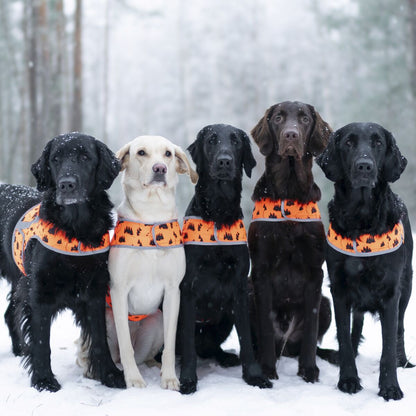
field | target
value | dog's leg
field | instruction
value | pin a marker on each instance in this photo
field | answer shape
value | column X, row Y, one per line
column 187, row 318
column 94, row 336
column 266, row 342
column 170, row 321
column 38, row 326
column 252, row 373
column 357, row 328
column 132, row 374
column 389, row 386
column 308, row 369
column 13, row 323
column 348, row 376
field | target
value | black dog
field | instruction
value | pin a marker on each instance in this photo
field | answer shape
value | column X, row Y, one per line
column 214, row 293
column 287, row 239
column 369, row 265
column 72, row 174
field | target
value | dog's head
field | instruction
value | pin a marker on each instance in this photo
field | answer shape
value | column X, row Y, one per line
column 75, row 166
column 222, row 151
column 291, row 129
column 363, row 154
column 153, row 161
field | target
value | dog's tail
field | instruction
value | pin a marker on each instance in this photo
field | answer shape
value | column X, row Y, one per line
column 332, row 356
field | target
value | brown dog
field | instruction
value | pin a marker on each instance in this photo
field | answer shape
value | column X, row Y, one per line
column 287, row 238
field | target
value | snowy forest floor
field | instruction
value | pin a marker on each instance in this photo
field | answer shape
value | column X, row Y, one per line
column 220, row 391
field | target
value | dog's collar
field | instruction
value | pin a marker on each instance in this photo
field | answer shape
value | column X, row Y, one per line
column 367, row 245
column 199, row 232
column 133, row 234
column 132, row 318
column 30, row 225
column 267, row 209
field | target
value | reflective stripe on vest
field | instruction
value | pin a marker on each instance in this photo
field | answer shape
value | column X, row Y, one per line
column 285, row 210
column 367, row 245
column 132, row 234
column 133, row 318
column 200, row 232
column 31, row 226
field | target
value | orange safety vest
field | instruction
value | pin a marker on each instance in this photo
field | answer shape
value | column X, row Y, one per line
column 200, row 232
column 285, row 210
column 133, row 234
column 133, row 318
column 31, row 226
column 367, row 245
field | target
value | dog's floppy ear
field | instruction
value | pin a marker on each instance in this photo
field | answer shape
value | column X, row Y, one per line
column 123, row 155
column 195, row 148
column 261, row 133
column 41, row 169
column 320, row 134
column 329, row 160
column 248, row 159
column 183, row 166
column 108, row 165
column 394, row 162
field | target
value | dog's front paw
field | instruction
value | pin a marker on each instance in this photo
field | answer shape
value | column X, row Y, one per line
column 391, row 393
column 187, row 386
column 136, row 382
column 270, row 372
column 309, row 374
column 253, row 376
column 350, row 385
column 49, row 383
column 171, row 383
column 114, row 378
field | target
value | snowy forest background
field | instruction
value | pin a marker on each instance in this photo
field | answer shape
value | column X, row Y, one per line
column 116, row 69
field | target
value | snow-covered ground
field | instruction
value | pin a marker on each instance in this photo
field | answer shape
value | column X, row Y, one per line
column 220, row 391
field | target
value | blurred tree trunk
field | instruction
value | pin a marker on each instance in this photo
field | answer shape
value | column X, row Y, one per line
column 412, row 21
column 76, row 123
column 105, row 72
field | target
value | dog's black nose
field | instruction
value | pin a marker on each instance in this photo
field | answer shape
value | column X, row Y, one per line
column 291, row 134
column 364, row 165
column 67, row 184
column 160, row 168
column 224, row 161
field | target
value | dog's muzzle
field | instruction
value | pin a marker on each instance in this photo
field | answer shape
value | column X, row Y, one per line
column 223, row 167
column 290, row 143
column 364, row 173
column 159, row 173
column 68, row 191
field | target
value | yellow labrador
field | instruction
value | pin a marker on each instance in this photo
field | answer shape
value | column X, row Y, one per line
column 147, row 259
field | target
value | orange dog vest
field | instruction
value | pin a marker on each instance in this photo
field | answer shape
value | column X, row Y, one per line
column 31, row 226
column 367, row 245
column 134, row 234
column 285, row 210
column 200, row 232
column 133, row 318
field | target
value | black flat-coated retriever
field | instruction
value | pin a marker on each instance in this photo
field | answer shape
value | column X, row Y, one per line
column 72, row 175
column 369, row 265
column 287, row 239
column 214, row 293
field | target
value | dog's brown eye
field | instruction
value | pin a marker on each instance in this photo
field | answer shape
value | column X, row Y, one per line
column 278, row 119
column 168, row 153
column 141, row 152
column 305, row 119
column 84, row 158
column 379, row 142
column 348, row 143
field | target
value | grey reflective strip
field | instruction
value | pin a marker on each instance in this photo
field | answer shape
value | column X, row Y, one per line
column 285, row 219
column 359, row 254
column 121, row 219
column 146, row 247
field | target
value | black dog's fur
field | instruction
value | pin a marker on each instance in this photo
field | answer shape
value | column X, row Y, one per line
column 362, row 158
column 291, row 314
column 214, row 290
column 72, row 175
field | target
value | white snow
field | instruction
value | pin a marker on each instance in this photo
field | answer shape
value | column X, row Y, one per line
column 220, row 391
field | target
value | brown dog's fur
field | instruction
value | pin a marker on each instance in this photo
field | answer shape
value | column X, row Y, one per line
column 287, row 256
